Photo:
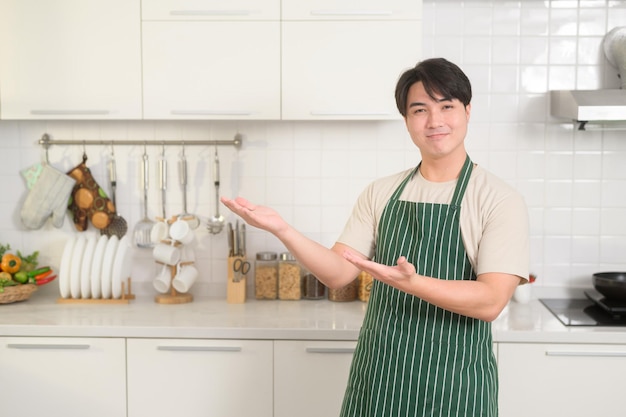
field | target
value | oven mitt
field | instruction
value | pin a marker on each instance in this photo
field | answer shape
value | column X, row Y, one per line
column 88, row 201
column 47, row 197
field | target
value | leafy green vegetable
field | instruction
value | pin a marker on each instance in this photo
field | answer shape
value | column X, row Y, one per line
column 4, row 248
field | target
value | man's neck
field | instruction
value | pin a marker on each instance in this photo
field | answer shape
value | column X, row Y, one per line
column 443, row 169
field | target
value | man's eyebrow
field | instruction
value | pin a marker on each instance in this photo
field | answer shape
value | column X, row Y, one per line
column 419, row 103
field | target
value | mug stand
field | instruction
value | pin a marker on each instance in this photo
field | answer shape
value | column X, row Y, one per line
column 174, row 297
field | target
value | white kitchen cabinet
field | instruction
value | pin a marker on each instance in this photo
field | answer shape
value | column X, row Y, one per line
column 346, row 69
column 203, row 378
column 211, row 60
column 70, row 59
column 561, row 380
column 310, row 377
column 351, row 9
column 62, row 377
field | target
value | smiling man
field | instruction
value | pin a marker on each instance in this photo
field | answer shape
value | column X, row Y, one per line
column 447, row 243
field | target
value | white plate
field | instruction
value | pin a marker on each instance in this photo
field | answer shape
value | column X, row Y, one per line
column 77, row 263
column 121, row 266
column 64, row 267
column 107, row 266
column 85, row 270
column 96, row 266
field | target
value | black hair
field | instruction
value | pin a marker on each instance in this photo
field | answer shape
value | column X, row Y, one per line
column 440, row 77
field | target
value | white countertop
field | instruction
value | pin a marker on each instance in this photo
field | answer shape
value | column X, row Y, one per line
column 293, row 320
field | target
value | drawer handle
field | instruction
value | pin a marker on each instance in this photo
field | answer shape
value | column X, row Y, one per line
column 351, row 12
column 200, row 348
column 46, row 346
column 210, row 12
column 586, row 354
column 330, row 113
column 69, row 112
column 329, row 350
column 211, row 113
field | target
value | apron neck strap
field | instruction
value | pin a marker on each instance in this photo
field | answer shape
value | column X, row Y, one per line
column 462, row 182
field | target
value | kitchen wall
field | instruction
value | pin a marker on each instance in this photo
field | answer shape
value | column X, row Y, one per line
column 513, row 51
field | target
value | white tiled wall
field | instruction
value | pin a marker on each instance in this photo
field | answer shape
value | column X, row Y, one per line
column 513, row 51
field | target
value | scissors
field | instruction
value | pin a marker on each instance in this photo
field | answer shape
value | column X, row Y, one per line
column 240, row 268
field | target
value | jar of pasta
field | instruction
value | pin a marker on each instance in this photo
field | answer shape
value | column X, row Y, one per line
column 345, row 293
column 365, row 286
column 266, row 276
column 289, row 277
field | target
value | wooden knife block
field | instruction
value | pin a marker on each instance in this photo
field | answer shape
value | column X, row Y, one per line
column 235, row 290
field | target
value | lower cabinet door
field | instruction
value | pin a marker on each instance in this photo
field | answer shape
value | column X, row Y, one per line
column 199, row 378
column 310, row 377
column 65, row 377
column 562, row 380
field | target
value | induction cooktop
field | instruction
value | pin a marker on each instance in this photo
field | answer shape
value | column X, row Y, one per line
column 590, row 311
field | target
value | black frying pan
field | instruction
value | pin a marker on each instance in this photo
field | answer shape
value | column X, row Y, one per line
column 611, row 284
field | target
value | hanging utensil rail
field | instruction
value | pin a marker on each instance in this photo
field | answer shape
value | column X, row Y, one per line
column 46, row 142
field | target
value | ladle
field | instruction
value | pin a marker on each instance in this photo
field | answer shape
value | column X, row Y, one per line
column 216, row 223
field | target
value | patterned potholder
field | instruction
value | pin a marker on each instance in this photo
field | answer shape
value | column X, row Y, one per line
column 88, row 201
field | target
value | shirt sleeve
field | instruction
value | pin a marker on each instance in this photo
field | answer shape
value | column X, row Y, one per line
column 503, row 242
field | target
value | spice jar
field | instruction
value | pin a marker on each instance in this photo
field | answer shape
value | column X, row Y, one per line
column 312, row 288
column 266, row 276
column 346, row 293
column 289, row 277
column 365, row 286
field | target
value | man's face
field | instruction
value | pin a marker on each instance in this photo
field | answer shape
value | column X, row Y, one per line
column 437, row 127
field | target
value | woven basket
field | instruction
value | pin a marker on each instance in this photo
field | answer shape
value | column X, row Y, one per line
column 17, row 293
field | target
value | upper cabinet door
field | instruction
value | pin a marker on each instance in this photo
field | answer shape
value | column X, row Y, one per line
column 211, row 70
column 351, row 9
column 70, row 59
column 210, row 10
column 346, row 70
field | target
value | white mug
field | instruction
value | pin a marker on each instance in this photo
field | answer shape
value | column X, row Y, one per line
column 182, row 232
column 184, row 279
column 158, row 232
column 166, row 254
column 163, row 280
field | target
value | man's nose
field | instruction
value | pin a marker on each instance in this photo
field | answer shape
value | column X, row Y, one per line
column 435, row 118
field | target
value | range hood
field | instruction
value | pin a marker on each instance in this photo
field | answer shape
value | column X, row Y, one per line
column 589, row 105
column 599, row 106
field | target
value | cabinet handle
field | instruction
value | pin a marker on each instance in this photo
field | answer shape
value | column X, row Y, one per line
column 70, row 112
column 351, row 12
column 329, row 350
column 210, row 113
column 210, row 12
column 330, row 113
column 200, row 348
column 45, row 346
column 586, row 354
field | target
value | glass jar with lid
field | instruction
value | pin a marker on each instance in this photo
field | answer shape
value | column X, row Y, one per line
column 266, row 276
column 289, row 277
column 312, row 288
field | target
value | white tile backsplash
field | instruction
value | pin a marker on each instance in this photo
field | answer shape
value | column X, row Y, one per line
column 311, row 172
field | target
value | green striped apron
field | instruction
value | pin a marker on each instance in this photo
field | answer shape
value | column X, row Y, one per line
column 413, row 358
